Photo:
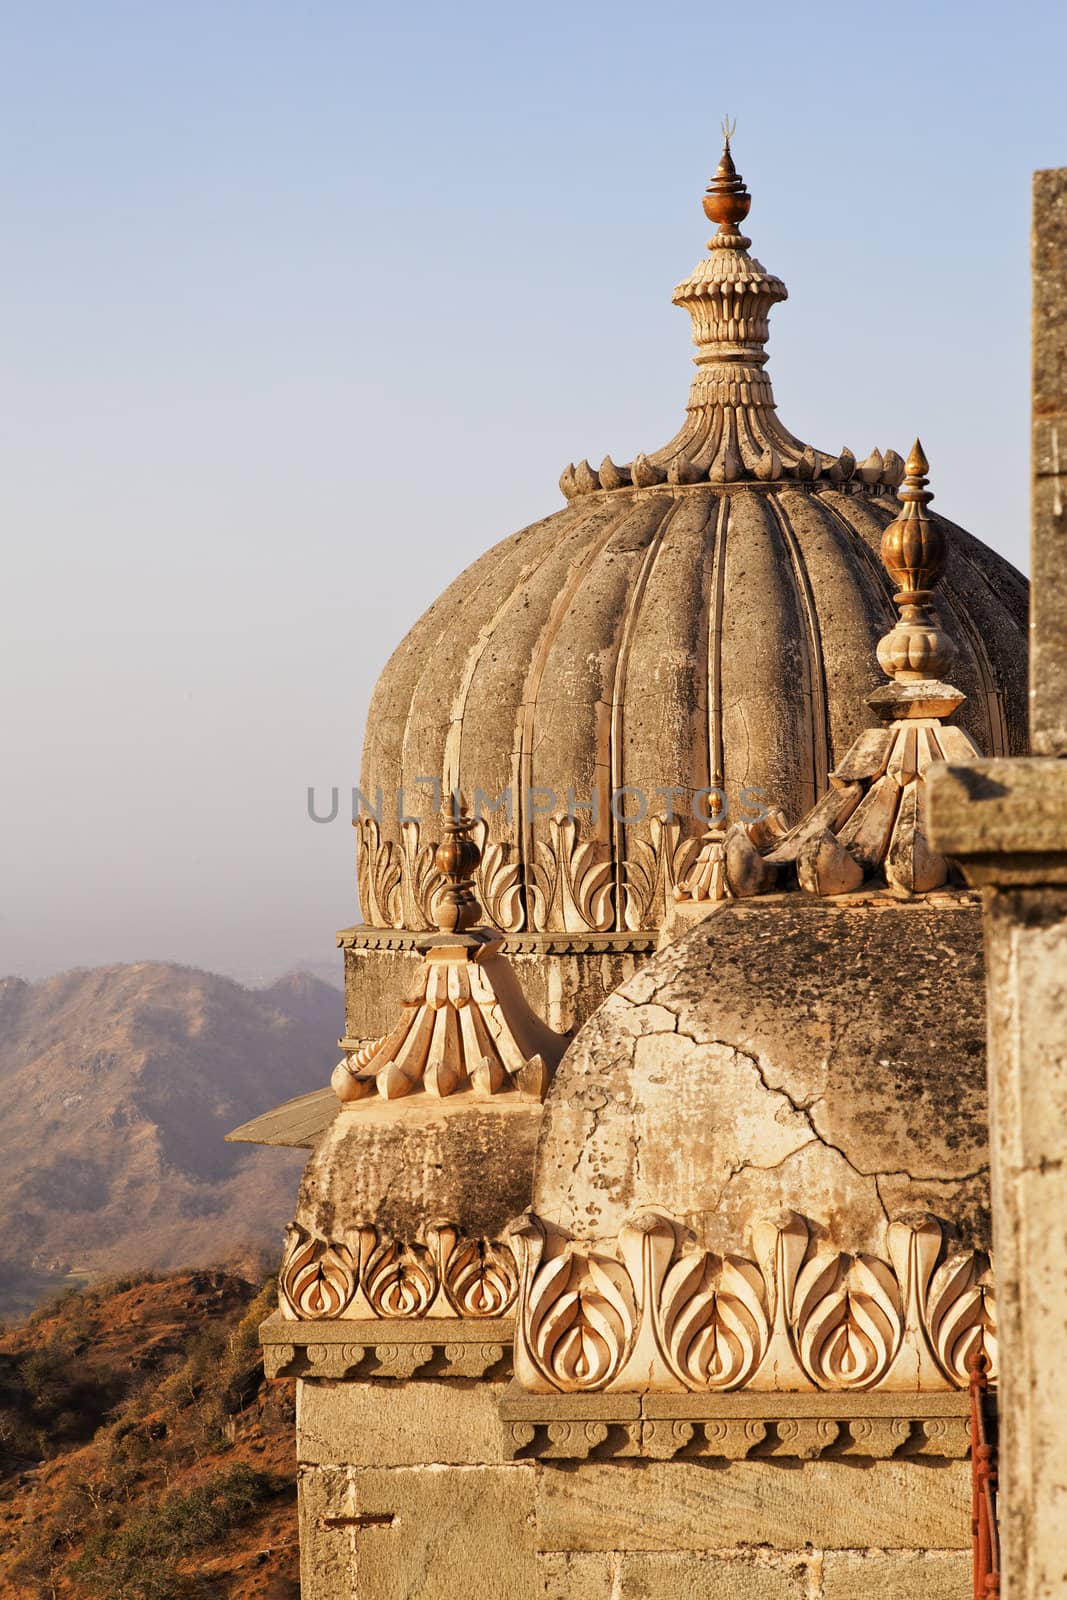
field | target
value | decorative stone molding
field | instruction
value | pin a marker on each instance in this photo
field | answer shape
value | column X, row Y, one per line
column 734, row 1427
column 386, row 1348
column 655, row 868
column 571, row 881
column 652, row 1311
column 448, row 1275
column 363, row 937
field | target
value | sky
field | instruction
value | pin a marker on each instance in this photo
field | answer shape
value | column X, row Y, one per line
column 305, row 306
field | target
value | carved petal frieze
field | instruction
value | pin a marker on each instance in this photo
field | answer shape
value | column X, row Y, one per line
column 478, row 1276
column 379, row 870
column 654, row 868
column 961, row 1314
column 579, row 1315
column 650, row 1311
column 846, row 1320
column 448, row 1274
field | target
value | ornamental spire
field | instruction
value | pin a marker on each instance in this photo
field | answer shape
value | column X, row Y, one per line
column 727, row 201
column 732, row 433
column 914, row 554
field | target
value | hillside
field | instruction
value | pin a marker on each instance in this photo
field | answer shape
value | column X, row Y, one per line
column 142, row 1455
column 117, row 1086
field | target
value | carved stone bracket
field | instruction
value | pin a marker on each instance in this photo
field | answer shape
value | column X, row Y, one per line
column 386, row 1348
column 734, row 1427
column 652, row 1311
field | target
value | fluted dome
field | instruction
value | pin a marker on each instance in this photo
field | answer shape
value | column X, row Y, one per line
column 704, row 618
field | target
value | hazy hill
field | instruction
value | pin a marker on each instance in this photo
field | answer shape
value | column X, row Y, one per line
column 142, row 1456
column 117, row 1085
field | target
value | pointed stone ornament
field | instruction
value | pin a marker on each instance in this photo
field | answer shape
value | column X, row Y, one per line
column 611, row 476
column 914, row 553
column 870, row 470
column 465, row 1024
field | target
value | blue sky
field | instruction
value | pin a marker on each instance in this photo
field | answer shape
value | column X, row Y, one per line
column 305, row 306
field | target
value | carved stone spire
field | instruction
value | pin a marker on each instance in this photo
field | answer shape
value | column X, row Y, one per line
column 465, row 1025
column 732, row 432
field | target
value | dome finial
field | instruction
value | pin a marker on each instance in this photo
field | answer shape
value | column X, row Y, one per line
column 914, row 553
column 727, row 200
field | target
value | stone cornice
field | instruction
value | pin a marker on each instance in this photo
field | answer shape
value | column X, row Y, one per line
column 734, row 1427
column 385, row 1347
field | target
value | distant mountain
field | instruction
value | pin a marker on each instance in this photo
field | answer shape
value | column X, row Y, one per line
column 117, row 1086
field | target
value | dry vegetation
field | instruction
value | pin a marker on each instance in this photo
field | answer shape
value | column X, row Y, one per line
column 142, row 1455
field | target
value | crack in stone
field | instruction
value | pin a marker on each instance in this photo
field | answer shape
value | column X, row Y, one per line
column 804, row 1109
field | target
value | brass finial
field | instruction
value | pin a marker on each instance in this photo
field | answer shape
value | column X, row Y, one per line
column 457, row 859
column 914, row 554
column 727, row 200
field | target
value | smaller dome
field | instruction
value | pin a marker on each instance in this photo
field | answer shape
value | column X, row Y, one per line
column 763, row 1161
column 825, row 1057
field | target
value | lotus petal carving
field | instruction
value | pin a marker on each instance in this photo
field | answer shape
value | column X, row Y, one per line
column 961, row 1313
column 847, row 1320
column 400, row 1280
column 713, row 1320
column 479, row 1276
column 317, row 1279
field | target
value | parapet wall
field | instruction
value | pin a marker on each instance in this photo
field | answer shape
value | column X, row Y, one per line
column 410, row 1488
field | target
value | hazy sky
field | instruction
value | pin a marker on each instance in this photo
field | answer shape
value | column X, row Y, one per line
column 306, row 305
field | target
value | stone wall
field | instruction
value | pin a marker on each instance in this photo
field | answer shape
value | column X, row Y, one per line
column 406, row 1493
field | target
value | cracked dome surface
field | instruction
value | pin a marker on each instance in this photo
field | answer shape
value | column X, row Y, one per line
column 826, row 1057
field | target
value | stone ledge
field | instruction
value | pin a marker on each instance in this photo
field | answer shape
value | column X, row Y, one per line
column 1004, row 821
column 386, row 1347
column 733, row 1427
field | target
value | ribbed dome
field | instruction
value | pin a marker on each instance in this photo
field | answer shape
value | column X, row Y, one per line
column 706, row 617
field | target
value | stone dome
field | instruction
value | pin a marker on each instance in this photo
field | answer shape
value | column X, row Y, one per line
column 701, row 619
column 821, row 1055
column 763, row 1161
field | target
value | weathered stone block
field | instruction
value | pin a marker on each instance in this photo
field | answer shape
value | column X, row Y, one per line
column 399, row 1424
column 326, row 1502
column 436, row 1533
column 1027, row 940
column 687, row 1505
column 896, row 1575
column 670, row 1575
column 567, row 1576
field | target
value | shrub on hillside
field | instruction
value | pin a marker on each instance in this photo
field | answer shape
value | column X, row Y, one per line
column 139, row 1561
